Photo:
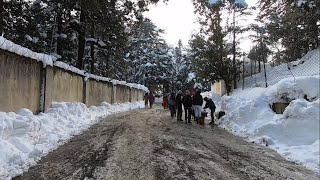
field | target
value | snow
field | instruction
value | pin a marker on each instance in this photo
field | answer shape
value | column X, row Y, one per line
column 191, row 76
column 101, row 43
column 51, row 60
column 69, row 68
column 14, row 48
column 301, row 2
column 213, row 1
column 29, row 38
column 293, row 134
column 64, row 36
column 308, row 65
column 241, row 3
column 98, row 78
column 25, row 138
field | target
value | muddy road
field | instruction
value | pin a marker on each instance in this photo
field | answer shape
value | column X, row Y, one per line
column 147, row 144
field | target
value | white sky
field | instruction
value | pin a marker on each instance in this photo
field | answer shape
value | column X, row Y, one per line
column 178, row 20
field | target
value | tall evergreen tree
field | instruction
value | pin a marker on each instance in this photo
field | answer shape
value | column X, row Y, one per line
column 149, row 55
column 292, row 23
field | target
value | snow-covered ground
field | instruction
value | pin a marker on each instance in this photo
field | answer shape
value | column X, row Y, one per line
column 293, row 134
column 25, row 138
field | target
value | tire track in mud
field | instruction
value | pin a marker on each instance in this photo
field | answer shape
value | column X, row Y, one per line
column 97, row 157
column 204, row 153
column 78, row 158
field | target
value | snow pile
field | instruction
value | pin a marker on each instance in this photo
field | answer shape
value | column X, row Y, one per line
column 25, row 138
column 293, row 134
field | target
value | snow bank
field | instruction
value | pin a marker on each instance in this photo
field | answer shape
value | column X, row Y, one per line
column 293, row 134
column 25, row 138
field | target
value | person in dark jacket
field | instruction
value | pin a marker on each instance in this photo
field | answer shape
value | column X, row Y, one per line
column 179, row 105
column 187, row 104
column 197, row 102
column 151, row 99
column 146, row 100
column 210, row 104
column 172, row 104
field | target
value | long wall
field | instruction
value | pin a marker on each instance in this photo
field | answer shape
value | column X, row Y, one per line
column 25, row 83
column 19, row 82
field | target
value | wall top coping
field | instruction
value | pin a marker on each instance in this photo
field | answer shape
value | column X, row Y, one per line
column 22, row 51
column 51, row 60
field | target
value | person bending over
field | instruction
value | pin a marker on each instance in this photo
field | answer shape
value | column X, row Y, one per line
column 210, row 104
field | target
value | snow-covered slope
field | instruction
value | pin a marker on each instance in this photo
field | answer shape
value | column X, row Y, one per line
column 293, row 134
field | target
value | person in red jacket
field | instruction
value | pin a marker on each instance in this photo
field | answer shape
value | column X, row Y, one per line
column 165, row 101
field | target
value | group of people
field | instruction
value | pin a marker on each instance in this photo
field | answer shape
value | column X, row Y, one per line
column 192, row 105
column 148, row 99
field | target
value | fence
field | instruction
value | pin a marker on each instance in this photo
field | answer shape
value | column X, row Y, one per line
column 30, row 83
column 308, row 65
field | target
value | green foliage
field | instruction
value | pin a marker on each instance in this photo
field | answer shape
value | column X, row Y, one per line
column 149, row 56
column 293, row 25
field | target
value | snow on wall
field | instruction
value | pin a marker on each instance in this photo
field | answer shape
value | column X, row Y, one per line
column 22, row 51
column 52, row 61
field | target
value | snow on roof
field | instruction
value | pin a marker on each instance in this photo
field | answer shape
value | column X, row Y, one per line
column 51, row 61
column 22, row 51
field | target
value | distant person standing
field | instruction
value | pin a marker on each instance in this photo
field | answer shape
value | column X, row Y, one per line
column 210, row 104
column 197, row 102
column 179, row 105
column 187, row 104
column 146, row 100
column 172, row 104
column 165, row 101
column 151, row 100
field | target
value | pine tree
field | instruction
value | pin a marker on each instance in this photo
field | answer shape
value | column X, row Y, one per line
column 293, row 24
column 149, row 55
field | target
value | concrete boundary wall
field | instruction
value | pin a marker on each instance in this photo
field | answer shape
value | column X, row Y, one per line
column 98, row 92
column 19, row 82
column 26, row 83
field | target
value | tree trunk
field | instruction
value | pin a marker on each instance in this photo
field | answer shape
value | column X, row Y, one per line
column 1, row 16
column 107, row 65
column 260, row 54
column 59, row 31
column 82, row 36
column 92, row 49
column 234, row 49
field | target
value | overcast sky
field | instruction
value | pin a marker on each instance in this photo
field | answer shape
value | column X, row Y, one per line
column 178, row 20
